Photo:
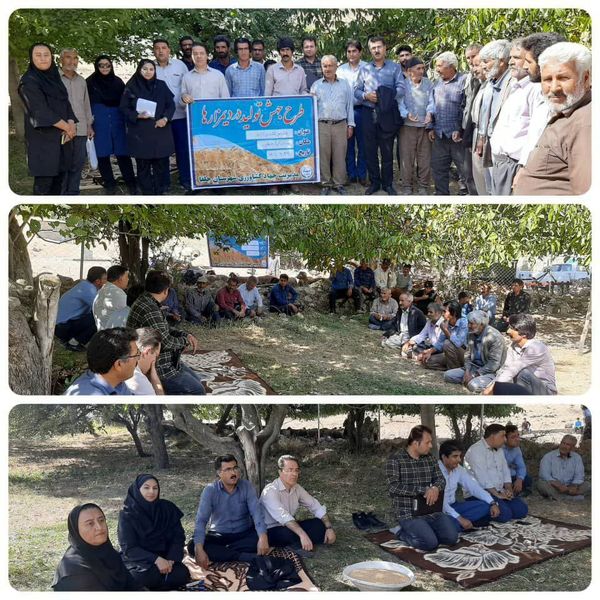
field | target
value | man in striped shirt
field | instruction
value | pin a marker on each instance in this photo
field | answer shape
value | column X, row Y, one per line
column 245, row 78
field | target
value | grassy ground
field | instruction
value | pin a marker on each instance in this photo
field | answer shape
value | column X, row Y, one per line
column 47, row 478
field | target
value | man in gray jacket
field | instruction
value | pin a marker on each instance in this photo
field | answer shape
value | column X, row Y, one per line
column 486, row 353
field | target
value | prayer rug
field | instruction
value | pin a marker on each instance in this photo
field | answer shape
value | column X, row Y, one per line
column 222, row 372
column 231, row 576
column 488, row 553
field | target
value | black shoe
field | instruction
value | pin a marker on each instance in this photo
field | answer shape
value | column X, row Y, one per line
column 391, row 190
column 372, row 189
column 375, row 522
column 341, row 190
column 360, row 521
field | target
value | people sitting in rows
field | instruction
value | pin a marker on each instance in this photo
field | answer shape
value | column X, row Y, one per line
column 449, row 351
column 485, row 355
column 487, row 463
column 521, row 481
column 171, row 307
column 416, row 486
column 516, row 302
column 561, row 475
column 480, row 506
column 110, row 305
column 200, row 306
column 529, row 367
column 364, row 283
column 464, row 299
column 342, row 286
column 145, row 380
column 383, row 311
column 425, row 296
column 404, row 281
column 408, row 323
column 281, row 500
column 486, row 301
column 112, row 355
column 91, row 564
column 75, row 323
column 230, row 302
column 428, row 336
column 151, row 537
column 230, row 508
column 252, row 298
column 384, row 275
column 283, row 298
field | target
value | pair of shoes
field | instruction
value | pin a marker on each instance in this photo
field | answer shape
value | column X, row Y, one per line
column 325, row 191
column 391, row 190
column 372, row 189
column 341, row 190
column 300, row 551
column 364, row 520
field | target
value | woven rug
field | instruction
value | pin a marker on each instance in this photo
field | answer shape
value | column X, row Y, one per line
column 222, row 372
column 488, row 553
column 231, row 576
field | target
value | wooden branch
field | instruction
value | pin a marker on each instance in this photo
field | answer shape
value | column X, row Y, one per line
column 273, row 426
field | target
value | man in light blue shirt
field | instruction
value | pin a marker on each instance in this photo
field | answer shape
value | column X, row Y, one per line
column 480, row 506
column 75, row 319
column 514, row 457
column 562, row 476
column 236, row 525
column 245, row 78
column 251, row 296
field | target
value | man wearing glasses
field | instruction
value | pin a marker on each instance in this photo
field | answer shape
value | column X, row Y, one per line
column 281, row 499
column 230, row 507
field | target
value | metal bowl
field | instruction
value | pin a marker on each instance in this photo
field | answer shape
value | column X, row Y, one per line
column 368, row 586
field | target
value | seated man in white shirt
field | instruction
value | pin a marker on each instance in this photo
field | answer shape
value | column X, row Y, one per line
column 280, row 501
column 145, row 380
column 252, row 298
column 479, row 507
column 110, row 305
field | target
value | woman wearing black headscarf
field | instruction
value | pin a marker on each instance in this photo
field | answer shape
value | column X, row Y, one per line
column 49, row 121
column 91, row 564
column 151, row 537
column 149, row 136
column 105, row 90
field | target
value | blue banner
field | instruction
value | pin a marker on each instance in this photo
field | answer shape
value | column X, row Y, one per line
column 253, row 141
column 227, row 252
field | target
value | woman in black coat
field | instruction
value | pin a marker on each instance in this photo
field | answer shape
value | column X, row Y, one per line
column 49, row 121
column 91, row 564
column 149, row 136
column 151, row 537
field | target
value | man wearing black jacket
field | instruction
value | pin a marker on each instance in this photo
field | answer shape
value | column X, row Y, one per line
column 409, row 321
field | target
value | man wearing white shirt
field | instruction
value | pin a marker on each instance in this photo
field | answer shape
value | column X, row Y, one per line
column 203, row 81
column 110, row 305
column 252, row 298
column 486, row 462
column 280, row 501
column 429, row 335
column 145, row 380
column 480, row 507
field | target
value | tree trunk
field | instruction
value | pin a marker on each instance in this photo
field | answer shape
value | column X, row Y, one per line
column 428, row 419
column 586, row 328
column 356, row 417
column 19, row 264
column 16, row 105
column 145, row 261
column 133, row 432
column 129, row 249
column 154, row 420
column 224, row 418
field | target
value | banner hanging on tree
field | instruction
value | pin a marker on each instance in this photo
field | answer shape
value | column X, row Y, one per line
column 253, row 141
column 227, row 252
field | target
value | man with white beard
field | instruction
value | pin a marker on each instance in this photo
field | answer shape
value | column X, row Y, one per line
column 560, row 164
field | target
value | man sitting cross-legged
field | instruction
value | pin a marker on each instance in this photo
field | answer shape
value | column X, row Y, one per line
column 201, row 308
column 342, row 286
column 364, row 282
column 283, row 298
column 408, row 323
column 281, row 499
column 428, row 336
column 230, row 301
column 252, row 298
column 383, row 311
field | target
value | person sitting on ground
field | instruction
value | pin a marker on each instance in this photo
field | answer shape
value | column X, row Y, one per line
column 172, row 308
column 485, row 355
column 112, row 356
column 516, row 302
column 408, row 323
column 237, row 529
column 91, row 564
column 529, row 367
column 480, row 507
column 151, row 537
column 404, row 282
column 428, row 336
column 145, row 380
column 424, row 297
column 280, row 501
column 283, row 298
column 525, row 427
column 364, row 283
column 449, row 351
column 201, row 308
column 252, row 298
column 561, row 474
column 342, row 286
column 521, row 481
column 75, row 319
column 464, row 299
column 230, row 302
column 110, row 305
column 487, row 463
column 486, row 301
column 383, row 311
column 414, row 477
column 384, row 275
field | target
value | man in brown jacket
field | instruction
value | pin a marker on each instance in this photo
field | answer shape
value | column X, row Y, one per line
column 561, row 162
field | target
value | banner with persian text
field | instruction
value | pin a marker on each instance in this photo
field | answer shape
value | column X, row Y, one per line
column 253, row 141
column 228, row 252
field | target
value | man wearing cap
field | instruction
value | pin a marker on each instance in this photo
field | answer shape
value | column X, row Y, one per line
column 199, row 303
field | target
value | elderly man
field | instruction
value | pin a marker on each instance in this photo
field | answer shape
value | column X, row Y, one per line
column 447, row 97
column 281, row 500
column 529, row 367
column 335, row 112
column 110, row 305
column 561, row 474
column 310, row 62
column 245, row 78
column 203, row 81
column 383, row 311
column 283, row 298
column 222, row 59
column 230, row 302
column 80, row 102
column 200, row 305
column 517, row 302
column 364, row 280
column 408, row 323
column 516, row 463
column 429, row 335
column 342, row 286
column 252, row 298
column 145, row 380
column 485, row 355
column 481, row 176
column 380, row 88
column 561, row 162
